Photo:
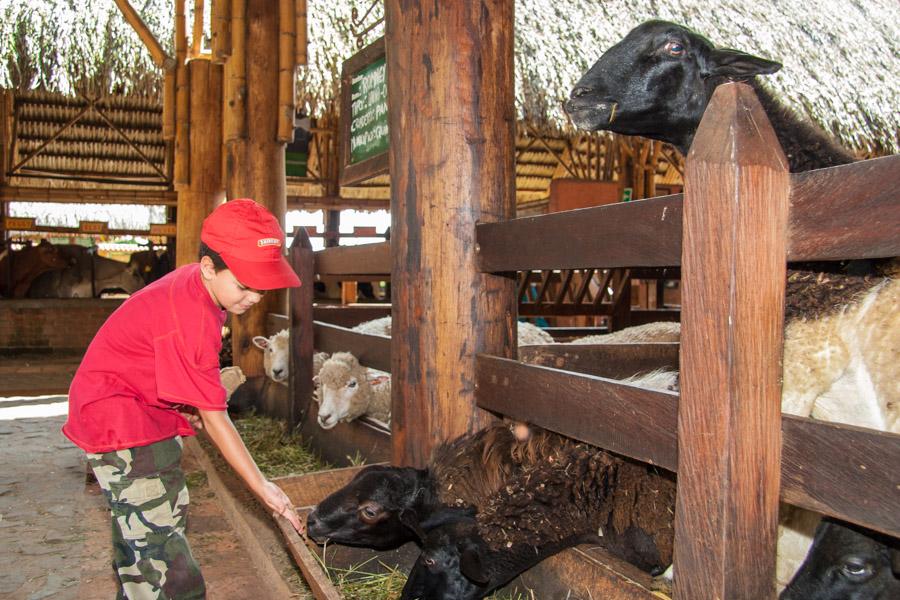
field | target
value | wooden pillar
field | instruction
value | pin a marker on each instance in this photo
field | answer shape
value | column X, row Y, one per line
column 452, row 143
column 255, row 161
column 332, row 228
column 729, row 416
column 6, row 111
column 206, row 188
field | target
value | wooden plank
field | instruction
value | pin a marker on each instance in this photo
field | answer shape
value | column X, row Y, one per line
column 582, row 572
column 613, row 361
column 644, row 233
column 348, row 316
column 372, row 350
column 300, row 384
column 841, row 470
column 622, row 418
column 346, row 443
column 733, row 279
column 830, row 218
column 365, row 259
column 851, row 476
column 93, row 196
column 316, row 579
column 849, row 211
column 246, row 523
column 309, row 489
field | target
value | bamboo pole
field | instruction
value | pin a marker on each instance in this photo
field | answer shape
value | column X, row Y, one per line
column 287, row 37
column 301, row 43
column 236, row 75
column 168, row 118
column 220, row 26
column 182, row 100
column 160, row 58
column 197, row 35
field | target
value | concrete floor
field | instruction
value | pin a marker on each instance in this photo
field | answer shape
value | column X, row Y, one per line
column 54, row 529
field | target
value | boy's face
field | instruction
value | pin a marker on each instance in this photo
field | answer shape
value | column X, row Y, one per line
column 226, row 291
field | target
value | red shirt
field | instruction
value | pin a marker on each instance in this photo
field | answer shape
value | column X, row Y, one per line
column 157, row 351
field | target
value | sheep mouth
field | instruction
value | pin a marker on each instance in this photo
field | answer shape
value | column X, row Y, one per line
column 591, row 114
column 326, row 423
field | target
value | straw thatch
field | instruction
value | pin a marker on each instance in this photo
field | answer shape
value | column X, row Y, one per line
column 841, row 58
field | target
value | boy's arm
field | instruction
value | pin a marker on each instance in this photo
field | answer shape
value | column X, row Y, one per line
column 226, row 438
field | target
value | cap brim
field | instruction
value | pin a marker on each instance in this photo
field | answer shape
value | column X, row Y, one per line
column 268, row 275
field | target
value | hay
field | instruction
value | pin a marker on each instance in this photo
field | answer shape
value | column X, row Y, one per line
column 276, row 452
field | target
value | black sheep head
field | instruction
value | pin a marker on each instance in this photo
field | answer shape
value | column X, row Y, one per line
column 656, row 83
column 452, row 565
column 377, row 509
column 847, row 562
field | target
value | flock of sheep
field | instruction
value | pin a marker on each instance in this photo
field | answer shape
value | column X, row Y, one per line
column 494, row 503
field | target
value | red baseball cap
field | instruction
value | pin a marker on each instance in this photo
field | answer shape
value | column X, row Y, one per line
column 249, row 239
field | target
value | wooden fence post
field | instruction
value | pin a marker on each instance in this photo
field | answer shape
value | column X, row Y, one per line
column 301, row 323
column 729, row 417
column 452, row 163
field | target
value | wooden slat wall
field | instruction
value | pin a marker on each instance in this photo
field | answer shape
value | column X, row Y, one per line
column 365, row 259
column 849, row 472
column 614, row 361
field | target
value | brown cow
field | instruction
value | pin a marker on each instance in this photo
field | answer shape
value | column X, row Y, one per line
column 18, row 268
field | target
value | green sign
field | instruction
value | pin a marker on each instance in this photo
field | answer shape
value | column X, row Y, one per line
column 626, row 195
column 368, row 112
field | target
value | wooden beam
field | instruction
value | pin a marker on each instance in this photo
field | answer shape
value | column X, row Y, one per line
column 301, row 29
column 255, row 164
column 364, row 259
column 287, row 69
column 13, row 193
column 733, row 278
column 372, row 350
column 452, row 144
column 300, row 387
column 614, row 361
column 159, row 56
column 830, row 218
column 197, row 29
column 182, row 173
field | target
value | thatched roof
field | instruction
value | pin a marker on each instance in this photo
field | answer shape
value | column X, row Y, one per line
column 841, row 58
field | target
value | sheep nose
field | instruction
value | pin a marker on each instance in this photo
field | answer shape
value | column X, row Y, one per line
column 277, row 372
column 580, row 91
column 311, row 520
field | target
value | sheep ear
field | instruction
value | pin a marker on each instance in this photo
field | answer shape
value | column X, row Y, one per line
column 261, row 342
column 471, row 565
column 738, row 65
column 410, row 519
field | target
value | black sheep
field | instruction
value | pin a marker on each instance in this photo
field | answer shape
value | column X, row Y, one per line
column 658, row 80
column 581, row 494
column 847, row 562
column 384, row 507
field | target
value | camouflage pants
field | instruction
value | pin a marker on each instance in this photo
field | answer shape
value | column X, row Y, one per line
column 148, row 501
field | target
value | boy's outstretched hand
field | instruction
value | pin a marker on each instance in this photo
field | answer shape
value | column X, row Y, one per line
column 279, row 503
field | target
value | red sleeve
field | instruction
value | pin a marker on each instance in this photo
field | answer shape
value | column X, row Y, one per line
column 180, row 380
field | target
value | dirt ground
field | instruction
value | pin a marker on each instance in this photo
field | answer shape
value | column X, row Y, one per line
column 54, row 532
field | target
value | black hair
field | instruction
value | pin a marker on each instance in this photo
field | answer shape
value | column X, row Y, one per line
column 217, row 261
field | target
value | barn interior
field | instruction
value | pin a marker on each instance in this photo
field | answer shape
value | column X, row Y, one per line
column 482, row 216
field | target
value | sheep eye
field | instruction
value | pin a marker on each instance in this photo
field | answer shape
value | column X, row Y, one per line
column 351, row 383
column 429, row 562
column 675, row 48
column 856, row 569
column 368, row 513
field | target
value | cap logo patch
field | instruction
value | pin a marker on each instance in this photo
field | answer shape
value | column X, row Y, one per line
column 268, row 242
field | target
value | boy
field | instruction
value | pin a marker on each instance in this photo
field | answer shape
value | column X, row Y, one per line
column 151, row 365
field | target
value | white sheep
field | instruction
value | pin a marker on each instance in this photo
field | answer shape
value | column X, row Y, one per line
column 276, row 355
column 380, row 326
column 528, row 334
column 346, row 390
column 659, row 331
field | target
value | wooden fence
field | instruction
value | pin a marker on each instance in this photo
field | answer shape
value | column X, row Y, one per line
column 742, row 217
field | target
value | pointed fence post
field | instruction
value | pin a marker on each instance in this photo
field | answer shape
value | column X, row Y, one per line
column 729, row 417
column 302, row 260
